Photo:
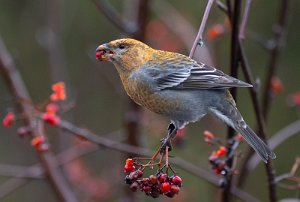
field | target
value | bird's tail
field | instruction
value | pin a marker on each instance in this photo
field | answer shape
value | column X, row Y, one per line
column 256, row 143
column 228, row 113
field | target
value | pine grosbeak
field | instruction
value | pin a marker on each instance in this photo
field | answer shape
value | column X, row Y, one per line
column 178, row 87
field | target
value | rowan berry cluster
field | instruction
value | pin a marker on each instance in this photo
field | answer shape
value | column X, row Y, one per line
column 222, row 155
column 47, row 111
column 154, row 185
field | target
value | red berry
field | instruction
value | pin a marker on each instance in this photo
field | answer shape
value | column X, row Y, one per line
column 128, row 169
column 129, row 162
column 98, row 54
column 147, row 189
column 165, row 187
column 153, row 179
column 139, row 173
column 222, row 151
column 8, row 119
column 163, row 178
column 276, row 85
column 175, row 189
column 176, row 180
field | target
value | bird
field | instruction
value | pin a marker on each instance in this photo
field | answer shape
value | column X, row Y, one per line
column 179, row 88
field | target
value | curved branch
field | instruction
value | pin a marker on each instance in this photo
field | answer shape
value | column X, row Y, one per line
column 122, row 147
column 110, row 13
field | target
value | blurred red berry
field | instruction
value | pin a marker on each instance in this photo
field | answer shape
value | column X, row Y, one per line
column 52, row 108
column 129, row 162
column 215, row 32
column 176, row 180
column 128, row 169
column 222, row 151
column 165, row 187
column 153, row 179
column 163, row 178
column 175, row 189
column 8, row 119
column 52, row 119
column 58, row 91
column 276, row 85
column 23, row 131
column 296, row 98
column 37, row 141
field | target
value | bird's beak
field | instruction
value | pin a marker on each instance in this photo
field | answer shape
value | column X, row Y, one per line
column 103, row 52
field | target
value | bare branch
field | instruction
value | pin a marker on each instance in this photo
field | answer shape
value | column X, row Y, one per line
column 280, row 31
column 110, row 13
column 245, row 19
column 199, row 37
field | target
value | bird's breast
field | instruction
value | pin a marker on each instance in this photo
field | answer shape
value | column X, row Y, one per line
column 143, row 95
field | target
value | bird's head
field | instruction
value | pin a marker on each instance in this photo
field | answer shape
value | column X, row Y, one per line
column 126, row 54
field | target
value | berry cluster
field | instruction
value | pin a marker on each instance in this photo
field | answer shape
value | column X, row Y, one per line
column 154, row 185
column 222, row 155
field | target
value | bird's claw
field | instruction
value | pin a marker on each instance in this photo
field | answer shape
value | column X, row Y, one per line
column 164, row 143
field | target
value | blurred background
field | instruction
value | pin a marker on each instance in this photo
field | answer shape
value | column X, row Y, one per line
column 55, row 40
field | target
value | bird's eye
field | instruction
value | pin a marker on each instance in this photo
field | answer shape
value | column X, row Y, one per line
column 122, row 46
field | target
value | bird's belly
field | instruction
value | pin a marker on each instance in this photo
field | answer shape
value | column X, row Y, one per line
column 173, row 104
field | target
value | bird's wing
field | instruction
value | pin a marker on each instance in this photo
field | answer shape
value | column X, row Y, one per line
column 190, row 75
column 206, row 77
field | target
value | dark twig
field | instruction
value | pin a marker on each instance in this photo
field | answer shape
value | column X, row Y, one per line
column 115, row 18
column 18, row 90
column 260, row 121
column 199, row 37
column 234, row 63
column 280, row 31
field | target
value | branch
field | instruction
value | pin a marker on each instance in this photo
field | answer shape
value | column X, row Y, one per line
column 199, row 37
column 245, row 19
column 109, row 12
column 280, row 31
column 234, row 63
column 18, row 90
column 36, row 171
column 122, row 147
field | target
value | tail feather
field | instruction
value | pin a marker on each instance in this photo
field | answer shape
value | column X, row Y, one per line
column 227, row 112
column 256, row 143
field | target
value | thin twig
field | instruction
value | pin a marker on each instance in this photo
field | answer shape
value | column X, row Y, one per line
column 199, row 37
column 234, row 63
column 245, row 19
column 280, row 31
column 115, row 18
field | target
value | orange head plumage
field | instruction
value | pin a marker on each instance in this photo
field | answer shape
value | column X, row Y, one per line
column 126, row 54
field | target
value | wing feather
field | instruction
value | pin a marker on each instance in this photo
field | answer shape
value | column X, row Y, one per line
column 190, row 75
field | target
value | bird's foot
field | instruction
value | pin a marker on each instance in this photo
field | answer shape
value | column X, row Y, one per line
column 164, row 143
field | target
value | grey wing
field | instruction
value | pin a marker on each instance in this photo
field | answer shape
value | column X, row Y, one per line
column 190, row 75
column 206, row 77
